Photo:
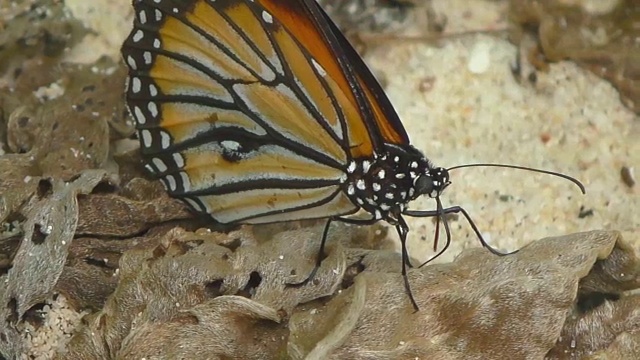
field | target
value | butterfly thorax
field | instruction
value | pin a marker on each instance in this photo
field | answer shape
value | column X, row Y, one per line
column 384, row 184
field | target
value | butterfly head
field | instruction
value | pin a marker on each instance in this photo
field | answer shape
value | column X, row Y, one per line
column 431, row 182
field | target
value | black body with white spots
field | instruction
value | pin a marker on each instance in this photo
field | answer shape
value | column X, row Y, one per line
column 385, row 184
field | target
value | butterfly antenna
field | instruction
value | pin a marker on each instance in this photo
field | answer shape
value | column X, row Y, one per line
column 553, row 173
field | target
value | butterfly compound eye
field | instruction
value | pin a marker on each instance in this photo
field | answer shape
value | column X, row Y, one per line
column 440, row 179
column 433, row 182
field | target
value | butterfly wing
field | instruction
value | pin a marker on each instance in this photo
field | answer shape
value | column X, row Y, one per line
column 234, row 122
column 243, row 108
column 387, row 123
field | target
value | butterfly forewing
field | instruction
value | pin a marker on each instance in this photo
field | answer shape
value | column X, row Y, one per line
column 242, row 108
column 387, row 123
column 310, row 33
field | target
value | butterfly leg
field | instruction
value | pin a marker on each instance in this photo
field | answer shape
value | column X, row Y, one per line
column 403, row 230
column 455, row 210
column 370, row 222
column 319, row 257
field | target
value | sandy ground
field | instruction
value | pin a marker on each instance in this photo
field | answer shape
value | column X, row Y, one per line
column 487, row 116
column 461, row 104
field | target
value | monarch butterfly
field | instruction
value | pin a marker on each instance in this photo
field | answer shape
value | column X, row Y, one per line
column 260, row 111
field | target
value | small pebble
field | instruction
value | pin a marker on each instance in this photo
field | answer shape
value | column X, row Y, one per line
column 479, row 58
column 627, row 175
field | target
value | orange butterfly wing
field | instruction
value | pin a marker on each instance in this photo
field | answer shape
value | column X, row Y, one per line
column 324, row 41
column 233, row 114
column 251, row 111
column 388, row 123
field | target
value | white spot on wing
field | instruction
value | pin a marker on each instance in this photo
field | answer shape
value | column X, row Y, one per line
column 142, row 16
column 231, row 145
column 136, row 85
column 318, row 68
column 179, row 160
column 138, row 36
column 267, row 17
column 132, row 62
column 186, row 183
column 165, row 140
column 147, row 57
column 153, row 109
column 160, row 165
column 139, row 115
column 171, row 182
column 146, row 138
